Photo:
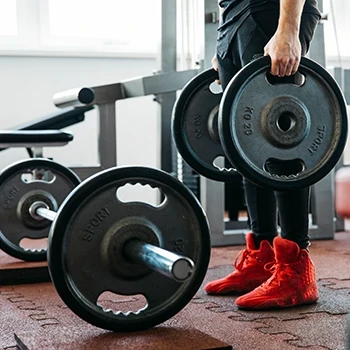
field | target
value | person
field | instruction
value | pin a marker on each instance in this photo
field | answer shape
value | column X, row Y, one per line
column 272, row 271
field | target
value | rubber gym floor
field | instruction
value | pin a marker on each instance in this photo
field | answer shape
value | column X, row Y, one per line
column 34, row 317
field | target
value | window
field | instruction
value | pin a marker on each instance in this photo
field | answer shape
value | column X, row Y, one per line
column 104, row 27
column 8, row 18
column 337, row 28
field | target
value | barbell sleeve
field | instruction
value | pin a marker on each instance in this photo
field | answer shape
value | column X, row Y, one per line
column 40, row 210
column 46, row 213
column 167, row 263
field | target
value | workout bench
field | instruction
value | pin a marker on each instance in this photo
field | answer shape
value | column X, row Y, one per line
column 43, row 131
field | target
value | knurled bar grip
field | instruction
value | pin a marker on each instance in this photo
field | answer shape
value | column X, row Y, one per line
column 169, row 264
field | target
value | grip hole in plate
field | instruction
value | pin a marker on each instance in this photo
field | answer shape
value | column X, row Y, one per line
column 296, row 79
column 33, row 244
column 141, row 193
column 38, row 175
column 279, row 167
column 125, row 304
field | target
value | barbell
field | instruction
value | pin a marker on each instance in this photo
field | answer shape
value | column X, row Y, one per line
column 261, row 118
column 99, row 243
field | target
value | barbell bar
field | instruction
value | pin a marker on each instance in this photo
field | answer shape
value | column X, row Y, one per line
column 169, row 264
column 98, row 242
column 96, row 228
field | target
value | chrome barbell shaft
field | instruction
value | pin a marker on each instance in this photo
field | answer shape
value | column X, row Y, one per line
column 46, row 213
column 169, row 264
column 40, row 210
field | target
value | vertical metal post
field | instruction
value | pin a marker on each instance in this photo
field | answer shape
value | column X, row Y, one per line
column 107, row 126
column 107, row 142
column 323, row 208
column 338, row 74
column 167, row 63
column 212, row 192
column 211, row 18
column 346, row 85
column 317, row 49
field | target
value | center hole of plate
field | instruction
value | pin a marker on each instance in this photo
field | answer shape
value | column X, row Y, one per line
column 286, row 121
column 141, row 193
column 122, row 303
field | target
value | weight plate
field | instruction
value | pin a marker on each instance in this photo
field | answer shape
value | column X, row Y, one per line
column 305, row 123
column 195, row 127
column 85, row 256
column 17, row 193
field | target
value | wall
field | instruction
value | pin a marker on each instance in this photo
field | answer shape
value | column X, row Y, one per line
column 26, row 90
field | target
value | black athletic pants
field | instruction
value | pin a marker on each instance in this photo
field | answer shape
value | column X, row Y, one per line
column 262, row 203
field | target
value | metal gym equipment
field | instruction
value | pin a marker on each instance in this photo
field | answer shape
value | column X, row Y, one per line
column 298, row 122
column 31, row 180
column 162, row 85
column 50, row 183
column 99, row 243
column 195, row 127
column 307, row 117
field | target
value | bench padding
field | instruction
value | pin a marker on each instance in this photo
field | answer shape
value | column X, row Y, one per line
column 57, row 120
column 25, row 138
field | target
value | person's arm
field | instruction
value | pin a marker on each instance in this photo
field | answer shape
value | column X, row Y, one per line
column 284, row 47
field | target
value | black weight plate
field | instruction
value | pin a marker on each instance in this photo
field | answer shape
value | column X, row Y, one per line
column 248, row 116
column 195, row 127
column 81, row 235
column 16, row 195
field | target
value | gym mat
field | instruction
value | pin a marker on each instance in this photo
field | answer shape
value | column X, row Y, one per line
column 34, row 317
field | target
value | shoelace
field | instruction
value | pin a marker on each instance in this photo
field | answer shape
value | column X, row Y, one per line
column 280, row 272
column 242, row 256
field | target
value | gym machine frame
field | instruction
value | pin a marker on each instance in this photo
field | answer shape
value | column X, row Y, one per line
column 105, row 97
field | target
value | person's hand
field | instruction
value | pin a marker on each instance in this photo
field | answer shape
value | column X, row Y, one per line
column 284, row 49
column 215, row 65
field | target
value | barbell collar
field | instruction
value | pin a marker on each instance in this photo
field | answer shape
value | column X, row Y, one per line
column 169, row 264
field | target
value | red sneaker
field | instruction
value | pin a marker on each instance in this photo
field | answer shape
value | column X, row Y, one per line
column 249, row 272
column 292, row 283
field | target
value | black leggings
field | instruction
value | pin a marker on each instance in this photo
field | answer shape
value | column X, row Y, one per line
column 262, row 203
